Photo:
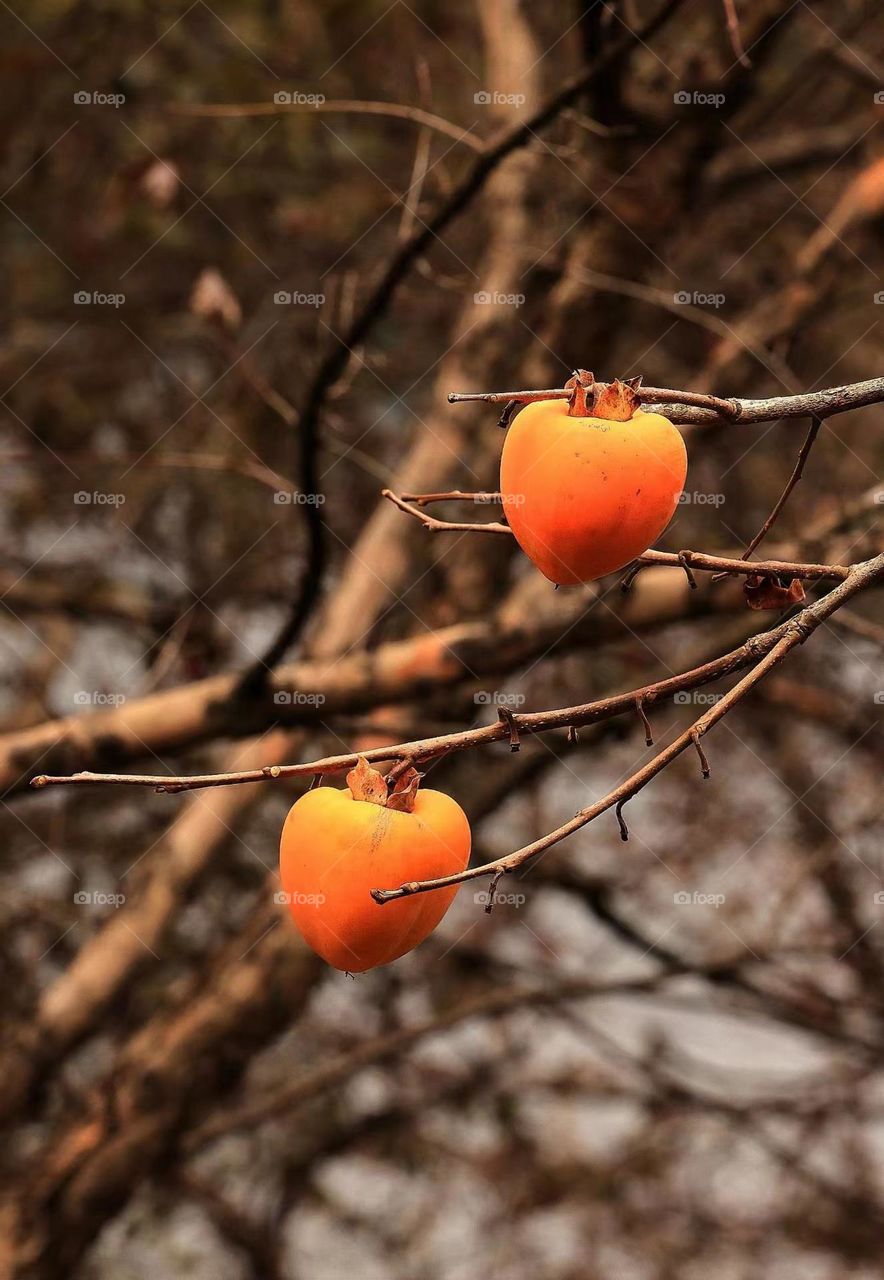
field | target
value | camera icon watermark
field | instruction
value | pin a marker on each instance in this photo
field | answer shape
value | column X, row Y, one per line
column 98, row 498
column 283, row 899
column 294, row 98
column 695, row 697
column 85, row 898
column 295, row 298
column 878, row 898
column 86, row 98
column 294, row 698
column 696, row 98
column 485, row 898
column 490, row 98
column 696, row 298
column 83, row 298
column 85, row 698
column 695, row 498
column 878, row 698
column 494, row 698
column 682, row 898
column 879, row 98
column 294, row 498
column 491, row 298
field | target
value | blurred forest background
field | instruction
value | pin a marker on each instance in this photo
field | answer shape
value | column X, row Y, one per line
column 653, row 1059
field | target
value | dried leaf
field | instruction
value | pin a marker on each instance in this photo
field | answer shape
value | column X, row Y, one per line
column 762, row 591
column 404, row 792
column 366, row 783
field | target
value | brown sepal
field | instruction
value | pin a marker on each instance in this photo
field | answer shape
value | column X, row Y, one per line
column 366, row 783
column 617, row 401
column 765, row 592
column 404, row 792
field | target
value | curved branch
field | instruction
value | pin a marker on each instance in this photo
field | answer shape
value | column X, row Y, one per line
column 421, row 750
column 334, row 106
column 793, row 633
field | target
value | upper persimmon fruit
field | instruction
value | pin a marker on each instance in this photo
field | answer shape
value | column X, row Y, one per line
column 337, row 846
column 587, row 492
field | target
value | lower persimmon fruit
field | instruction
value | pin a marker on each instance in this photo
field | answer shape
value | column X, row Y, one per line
column 337, row 846
column 586, row 493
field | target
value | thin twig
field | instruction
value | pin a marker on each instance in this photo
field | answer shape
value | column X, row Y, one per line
column 815, row 425
column 733, row 30
column 692, row 407
column 446, row 526
column 527, row 723
column 794, row 633
column 684, row 560
column 333, row 106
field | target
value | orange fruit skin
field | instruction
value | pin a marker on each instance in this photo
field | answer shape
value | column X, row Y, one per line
column 334, row 849
column 585, row 496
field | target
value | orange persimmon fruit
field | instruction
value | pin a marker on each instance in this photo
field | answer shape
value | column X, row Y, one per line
column 338, row 845
column 586, row 492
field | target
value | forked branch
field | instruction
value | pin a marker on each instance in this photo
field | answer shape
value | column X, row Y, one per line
column 793, row 633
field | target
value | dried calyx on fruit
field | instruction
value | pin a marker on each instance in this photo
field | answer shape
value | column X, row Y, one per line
column 398, row 791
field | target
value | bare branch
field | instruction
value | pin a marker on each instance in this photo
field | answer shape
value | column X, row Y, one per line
column 693, row 407
column 425, row 749
column 815, row 425
column 793, row 633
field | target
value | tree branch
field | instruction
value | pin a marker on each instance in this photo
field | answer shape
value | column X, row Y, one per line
column 793, row 633
column 408, row 252
column 694, row 407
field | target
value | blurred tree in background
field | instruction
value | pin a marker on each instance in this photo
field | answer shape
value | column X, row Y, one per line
column 653, row 1059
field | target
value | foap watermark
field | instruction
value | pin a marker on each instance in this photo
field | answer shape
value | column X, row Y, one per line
column 501, row 499
column 878, row 698
column 294, row 698
column 696, row 298
column 86, row 898
column 491, row 298
column 295, row 498
column 695, row 498
column 284, row 899
column 879, row 98
column 85, row 698
column 295, row 298
column 695, row 698
column 878, row 897
column 98, row 498
column 485, row 898
column 88, row 98
column 83, row 298
column 491, row 98
column 697, row 98
column 295, row 98
column 494, row 698
column 879, row 497
column 682, row 898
